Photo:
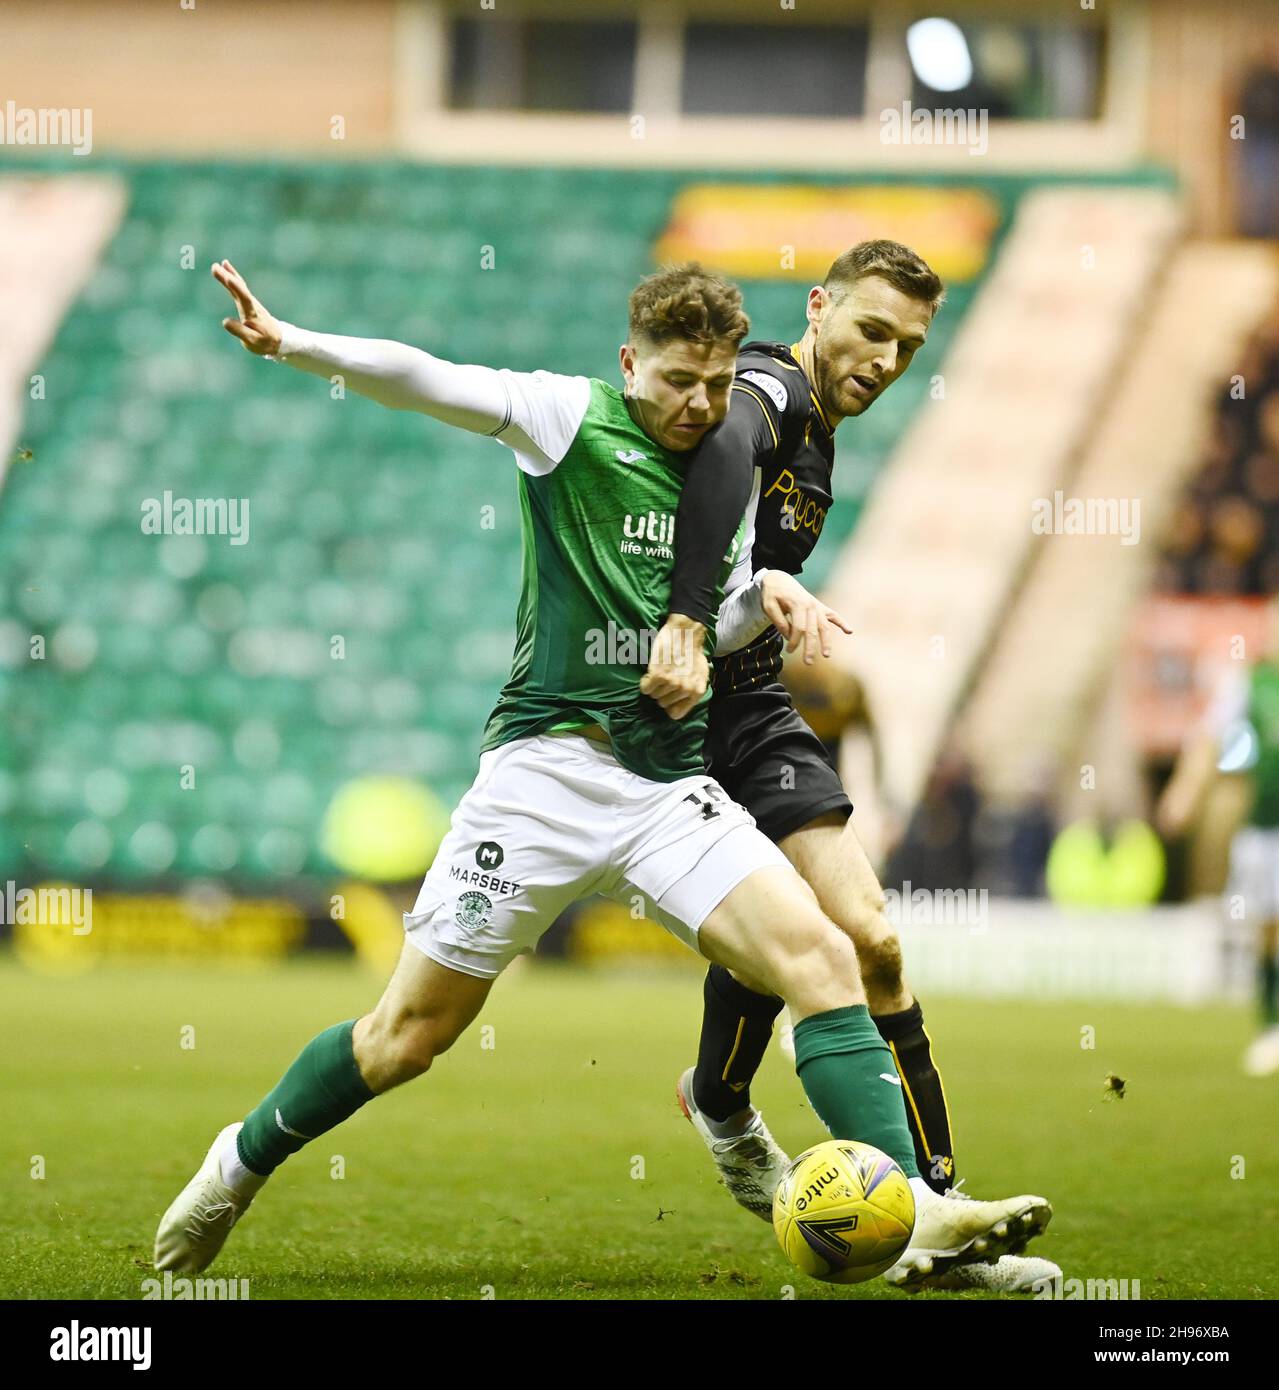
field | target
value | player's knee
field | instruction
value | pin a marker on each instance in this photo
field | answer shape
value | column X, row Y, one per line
column 865, row 911
column 403, row 1046
column 880, row 959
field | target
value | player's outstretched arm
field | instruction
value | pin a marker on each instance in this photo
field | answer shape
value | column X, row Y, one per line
column 393, row 374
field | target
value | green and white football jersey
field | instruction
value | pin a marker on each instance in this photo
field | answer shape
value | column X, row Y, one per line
column 598, row 500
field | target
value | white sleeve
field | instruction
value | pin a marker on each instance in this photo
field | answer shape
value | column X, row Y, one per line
column 741, row 617
column 402, row 377
column 534, row 413
column 545, row 413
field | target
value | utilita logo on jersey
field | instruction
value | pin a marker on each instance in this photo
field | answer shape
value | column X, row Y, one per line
column 656, row 529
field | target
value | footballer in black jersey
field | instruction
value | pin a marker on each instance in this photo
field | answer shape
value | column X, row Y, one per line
column 865, row 324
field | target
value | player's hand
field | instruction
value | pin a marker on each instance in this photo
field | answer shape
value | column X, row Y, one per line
column 258, row 330
column 678, row 672
column 802, row 619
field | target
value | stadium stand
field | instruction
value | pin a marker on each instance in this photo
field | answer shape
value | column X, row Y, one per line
column 1047, row 673
column 195, row 659
column 946, row 535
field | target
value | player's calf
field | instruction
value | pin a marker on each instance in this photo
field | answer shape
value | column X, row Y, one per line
column 424, row 1010
column 828, row 854
column 771, row 927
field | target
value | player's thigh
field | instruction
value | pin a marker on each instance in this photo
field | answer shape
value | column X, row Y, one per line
column 695, row 858
column 771, row 933
column 829, row 857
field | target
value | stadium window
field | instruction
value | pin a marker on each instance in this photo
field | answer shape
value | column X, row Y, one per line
column 774, row 69
column 1013, row 71
column 541, row 64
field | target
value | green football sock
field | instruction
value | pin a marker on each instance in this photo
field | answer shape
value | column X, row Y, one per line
column 322, row 1088
column 848, row 1074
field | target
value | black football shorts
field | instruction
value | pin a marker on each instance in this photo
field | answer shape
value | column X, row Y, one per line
column 767, row 759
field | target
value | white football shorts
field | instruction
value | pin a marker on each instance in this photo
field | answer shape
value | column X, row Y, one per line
column 555, row 817
column 1254, row 872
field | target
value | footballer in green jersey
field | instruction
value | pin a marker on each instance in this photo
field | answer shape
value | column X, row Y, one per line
column 581, row 789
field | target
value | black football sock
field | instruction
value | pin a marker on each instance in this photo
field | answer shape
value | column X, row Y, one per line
column 736, row 1026
column 926, row 1110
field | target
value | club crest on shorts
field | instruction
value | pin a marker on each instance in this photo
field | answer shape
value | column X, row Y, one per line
column 473, row 911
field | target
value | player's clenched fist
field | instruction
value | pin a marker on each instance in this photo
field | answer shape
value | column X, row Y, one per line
column 678, row 672
column 258, row 330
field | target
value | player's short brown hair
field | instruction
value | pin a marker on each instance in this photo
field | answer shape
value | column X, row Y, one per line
column 891, row 261
column 685, row 301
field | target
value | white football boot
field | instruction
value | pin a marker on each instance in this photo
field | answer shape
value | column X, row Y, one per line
column 1009, row 1274
column 196, row 1225
column 750, row 1164
column 956, row 1229
column 1262, row 1056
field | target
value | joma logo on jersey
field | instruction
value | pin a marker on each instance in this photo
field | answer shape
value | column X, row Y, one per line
column 798, row 512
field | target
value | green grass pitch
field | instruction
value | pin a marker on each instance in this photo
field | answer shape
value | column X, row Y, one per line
column 553, row 1162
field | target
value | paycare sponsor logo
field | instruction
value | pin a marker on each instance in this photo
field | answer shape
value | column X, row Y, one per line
column 76, row 1343
column 950, row 125
column 200, row 516
column 799, row 512
column 50, row 905
column 47, row 125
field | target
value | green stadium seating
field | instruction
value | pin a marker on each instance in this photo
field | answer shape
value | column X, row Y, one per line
column 163, row 651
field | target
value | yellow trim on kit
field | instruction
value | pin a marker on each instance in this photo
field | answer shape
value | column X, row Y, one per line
column 897, row 1062
column 737, row 1042
column 759, row 400
column 812, row 395
column 941, row 1086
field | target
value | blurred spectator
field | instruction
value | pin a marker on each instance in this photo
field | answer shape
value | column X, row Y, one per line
column 1224, row 534
column 938, row 850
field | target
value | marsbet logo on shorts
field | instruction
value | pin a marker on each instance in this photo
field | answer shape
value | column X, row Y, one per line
column 503, row 887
